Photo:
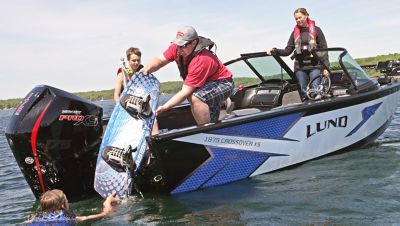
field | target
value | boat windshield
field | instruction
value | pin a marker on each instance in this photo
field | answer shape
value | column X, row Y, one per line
column 253, row 68
column 251, row 71
column 355, row 70
column 339, row 60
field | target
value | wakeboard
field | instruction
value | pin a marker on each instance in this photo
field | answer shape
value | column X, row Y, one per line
column 124, row 141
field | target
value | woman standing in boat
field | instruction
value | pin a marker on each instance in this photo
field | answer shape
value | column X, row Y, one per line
column 304, row 38
column 134, row 58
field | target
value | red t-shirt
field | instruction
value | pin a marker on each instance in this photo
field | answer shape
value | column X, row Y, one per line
column 204, row 67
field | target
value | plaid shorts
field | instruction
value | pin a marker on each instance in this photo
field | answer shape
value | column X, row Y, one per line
column 214, row 93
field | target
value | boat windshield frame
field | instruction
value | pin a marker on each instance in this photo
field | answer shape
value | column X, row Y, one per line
column 271, row 67
column 261, row 65
column 340, row 59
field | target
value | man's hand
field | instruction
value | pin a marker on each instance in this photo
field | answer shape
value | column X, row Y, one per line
column 144, row 70
column 161, row 109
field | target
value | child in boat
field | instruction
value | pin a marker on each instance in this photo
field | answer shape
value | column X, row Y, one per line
column 133, row 55
column 55, row 210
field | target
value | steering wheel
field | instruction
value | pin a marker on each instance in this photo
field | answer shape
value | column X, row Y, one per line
column 321, row 90
column 395, row 71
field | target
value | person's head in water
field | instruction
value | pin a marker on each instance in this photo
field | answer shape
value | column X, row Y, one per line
column 301, row 16
column 55, row 210
column 53, row 200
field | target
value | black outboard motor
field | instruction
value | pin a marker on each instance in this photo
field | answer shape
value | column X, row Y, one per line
column 55, row 137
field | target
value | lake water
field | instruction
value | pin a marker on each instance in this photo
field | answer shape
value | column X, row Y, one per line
column 358, row 187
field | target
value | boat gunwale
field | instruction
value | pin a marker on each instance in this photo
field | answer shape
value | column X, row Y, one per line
column 313, row 106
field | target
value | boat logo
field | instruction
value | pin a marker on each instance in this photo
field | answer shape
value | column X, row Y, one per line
column 327, row 124
column 22, row 105
column 86, row 120
column 29, row 160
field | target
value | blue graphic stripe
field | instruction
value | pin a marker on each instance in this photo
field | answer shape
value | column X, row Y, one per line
column 273, row 128
column 240, row 165
column 224, row 166
column 366, row 114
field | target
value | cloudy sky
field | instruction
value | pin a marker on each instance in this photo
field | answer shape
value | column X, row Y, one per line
column 76, row 45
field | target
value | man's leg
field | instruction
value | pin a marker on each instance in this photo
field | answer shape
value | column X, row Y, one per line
column 206, row 101
column 200, row 110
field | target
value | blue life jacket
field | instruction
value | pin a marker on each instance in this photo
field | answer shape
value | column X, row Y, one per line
column 57, row 218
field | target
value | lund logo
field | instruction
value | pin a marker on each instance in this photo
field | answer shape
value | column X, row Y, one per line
column 320, row 126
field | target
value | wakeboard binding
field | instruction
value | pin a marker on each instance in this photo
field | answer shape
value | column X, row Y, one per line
column 137, row 106
column 119, row 159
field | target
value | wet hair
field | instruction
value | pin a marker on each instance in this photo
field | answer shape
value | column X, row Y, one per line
column 133, row 50
column 53, row 200
column 302, row 11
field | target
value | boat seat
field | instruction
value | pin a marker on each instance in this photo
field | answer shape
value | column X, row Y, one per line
column 262, row 96
column 292, row 97
column 226, row 108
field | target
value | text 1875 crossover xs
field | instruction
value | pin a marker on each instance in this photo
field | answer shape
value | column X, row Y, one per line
column 264, row 127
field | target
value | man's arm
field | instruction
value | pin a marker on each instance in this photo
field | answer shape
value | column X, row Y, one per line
column 154, row 64
column 178, row 98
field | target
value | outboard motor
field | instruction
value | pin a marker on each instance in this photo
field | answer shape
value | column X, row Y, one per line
column 55, row 137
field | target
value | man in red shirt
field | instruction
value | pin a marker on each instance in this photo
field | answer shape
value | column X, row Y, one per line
column 207, row 82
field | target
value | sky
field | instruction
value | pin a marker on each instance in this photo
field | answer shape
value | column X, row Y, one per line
column 76, row 45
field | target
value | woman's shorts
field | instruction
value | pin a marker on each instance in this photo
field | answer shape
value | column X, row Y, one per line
column 214, row 93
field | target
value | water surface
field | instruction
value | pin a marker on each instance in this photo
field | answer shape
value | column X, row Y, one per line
column 357, row 187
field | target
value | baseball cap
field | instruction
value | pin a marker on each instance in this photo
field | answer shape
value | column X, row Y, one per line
column 185, row 35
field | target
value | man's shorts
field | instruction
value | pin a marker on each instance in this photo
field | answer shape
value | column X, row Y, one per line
column 214, row 93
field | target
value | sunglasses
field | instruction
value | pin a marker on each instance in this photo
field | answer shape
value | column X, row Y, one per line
column 186, row 44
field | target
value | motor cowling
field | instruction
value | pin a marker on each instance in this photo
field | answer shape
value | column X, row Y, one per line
column 55, row 136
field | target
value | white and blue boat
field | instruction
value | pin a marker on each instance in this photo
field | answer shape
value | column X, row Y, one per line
column 55, row 136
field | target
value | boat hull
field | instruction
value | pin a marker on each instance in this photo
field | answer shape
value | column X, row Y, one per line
column 243, row 147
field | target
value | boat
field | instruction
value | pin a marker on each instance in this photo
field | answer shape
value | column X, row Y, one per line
column 263, row 127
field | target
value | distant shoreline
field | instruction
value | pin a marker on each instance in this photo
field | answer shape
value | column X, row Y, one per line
column 165, row 88
column 174, row 86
